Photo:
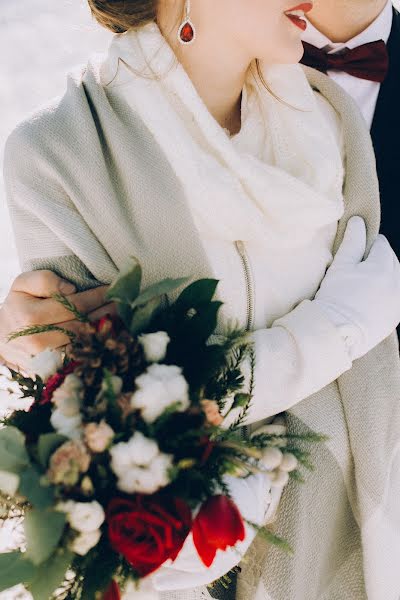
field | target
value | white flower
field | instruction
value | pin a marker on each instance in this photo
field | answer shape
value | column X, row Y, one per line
column 68, row 397
column 155, row 345
column 9, row 483
column 158, row 388
column 68, row 426
column 85, row 542
column 46, row 363
column 84, row 516
column 139, row 465
column 272, row 458
column 289, row 462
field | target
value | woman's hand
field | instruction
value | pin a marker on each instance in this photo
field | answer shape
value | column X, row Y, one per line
column 30, row 302
column 362, row 297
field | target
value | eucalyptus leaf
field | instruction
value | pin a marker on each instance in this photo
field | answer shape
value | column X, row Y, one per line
column 50, row 575
column 47, row 444
column 126, row 286
column 43, row 530
column 40, row 496
column 15, row 569
column 13, row 454
column 96, row 581
column 159, row 289
column 142, row 315
column 197, row 293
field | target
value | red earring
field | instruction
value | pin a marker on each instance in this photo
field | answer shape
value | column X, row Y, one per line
column 187, row 32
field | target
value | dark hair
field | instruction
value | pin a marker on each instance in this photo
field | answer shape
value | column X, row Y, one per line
column 121, row 15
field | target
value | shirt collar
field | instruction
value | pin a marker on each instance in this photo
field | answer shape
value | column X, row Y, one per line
column 378, row 30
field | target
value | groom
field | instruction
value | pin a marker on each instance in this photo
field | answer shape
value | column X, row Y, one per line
column 357, row 43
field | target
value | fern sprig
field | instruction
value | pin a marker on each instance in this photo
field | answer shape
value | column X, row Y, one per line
column 272, row 538
column 36, row 329
column 70, row 306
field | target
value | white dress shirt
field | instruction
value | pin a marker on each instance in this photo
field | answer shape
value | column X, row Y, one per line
column 364, row 92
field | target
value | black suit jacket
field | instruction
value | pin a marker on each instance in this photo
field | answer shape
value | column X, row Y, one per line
column 385, row 134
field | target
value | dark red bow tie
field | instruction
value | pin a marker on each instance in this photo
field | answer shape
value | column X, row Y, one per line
column 369, row 61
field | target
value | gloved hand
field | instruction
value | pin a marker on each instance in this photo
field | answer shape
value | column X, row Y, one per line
column 362, row 297
column 252, row 496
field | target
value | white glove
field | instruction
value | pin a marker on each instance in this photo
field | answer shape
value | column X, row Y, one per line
column 252, row 497
column 362, row 297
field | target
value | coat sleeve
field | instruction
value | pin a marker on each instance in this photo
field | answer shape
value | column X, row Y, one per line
column 303, row 351
column 300, row 354
column 42, row 213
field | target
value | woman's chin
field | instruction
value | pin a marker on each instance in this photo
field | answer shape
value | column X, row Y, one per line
column 292, row 54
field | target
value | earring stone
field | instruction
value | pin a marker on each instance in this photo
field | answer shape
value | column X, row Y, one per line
column 187, row 32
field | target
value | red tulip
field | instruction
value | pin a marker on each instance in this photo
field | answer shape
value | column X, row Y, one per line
column 113, row 592
column 218, row 525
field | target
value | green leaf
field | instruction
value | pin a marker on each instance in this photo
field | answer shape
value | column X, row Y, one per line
column 159, row 289
column 203, row 323
column 43, row 530
column 142, row 315
column 39, row 496
column 197, row 293
column 50, row 575
column 126, row 287
column 13, row 454
column 15, row 569
column 47, row 444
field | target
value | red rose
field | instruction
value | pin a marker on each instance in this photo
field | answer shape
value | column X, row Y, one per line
column 55, row 381
column 112, row 592
column 148, row 530
column 217, row 525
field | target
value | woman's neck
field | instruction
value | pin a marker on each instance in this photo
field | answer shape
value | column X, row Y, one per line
column 220, row 87
column 217, row 74
column 341, row 20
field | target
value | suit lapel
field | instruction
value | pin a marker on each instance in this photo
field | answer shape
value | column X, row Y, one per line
column 386, row 139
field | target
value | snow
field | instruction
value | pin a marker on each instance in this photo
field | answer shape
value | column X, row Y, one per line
column 40, row 42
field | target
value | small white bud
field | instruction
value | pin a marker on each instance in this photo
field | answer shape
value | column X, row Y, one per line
column 272, row 458
column 289, row 462
column 279, row 478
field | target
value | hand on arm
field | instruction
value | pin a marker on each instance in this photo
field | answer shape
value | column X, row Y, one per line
column 356, row 308
column 30, row 302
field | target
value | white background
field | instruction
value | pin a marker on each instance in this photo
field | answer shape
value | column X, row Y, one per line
column 40, row 40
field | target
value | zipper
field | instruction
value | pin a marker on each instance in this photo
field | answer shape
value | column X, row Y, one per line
column 249, row 284
column 240, row 247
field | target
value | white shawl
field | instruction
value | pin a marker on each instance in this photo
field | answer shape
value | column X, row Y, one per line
column 280, row 191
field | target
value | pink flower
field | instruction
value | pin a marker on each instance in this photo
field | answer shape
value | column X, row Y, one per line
column 211, row 410
column 98, row 436
column 68, row 462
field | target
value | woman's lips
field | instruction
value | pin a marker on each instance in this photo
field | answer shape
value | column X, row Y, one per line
column 296, row 14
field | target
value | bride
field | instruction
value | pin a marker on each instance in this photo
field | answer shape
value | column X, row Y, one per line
column 200, row 146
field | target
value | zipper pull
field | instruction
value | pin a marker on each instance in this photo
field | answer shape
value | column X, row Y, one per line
column 240, row 246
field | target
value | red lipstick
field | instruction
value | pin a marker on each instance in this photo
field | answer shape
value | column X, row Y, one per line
column 296, row 14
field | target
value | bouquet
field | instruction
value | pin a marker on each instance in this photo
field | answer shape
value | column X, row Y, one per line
column 126, row 445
